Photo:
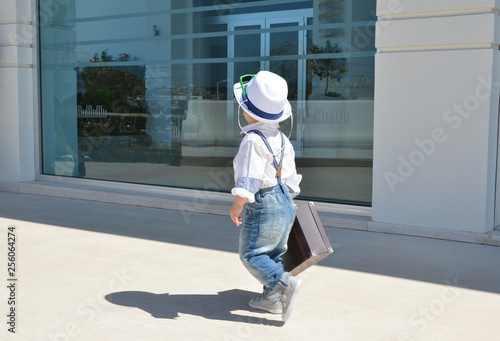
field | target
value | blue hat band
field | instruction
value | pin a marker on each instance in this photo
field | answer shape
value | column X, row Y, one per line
column 260, row 113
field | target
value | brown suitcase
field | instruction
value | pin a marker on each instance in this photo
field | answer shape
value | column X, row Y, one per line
column 307, row 243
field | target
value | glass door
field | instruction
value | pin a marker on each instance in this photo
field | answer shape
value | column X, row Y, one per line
column 271, row 45
column 284, row 46
column 246, row 45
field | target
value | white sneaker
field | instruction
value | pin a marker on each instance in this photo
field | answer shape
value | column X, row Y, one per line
column 290, row 296
column 261, row 303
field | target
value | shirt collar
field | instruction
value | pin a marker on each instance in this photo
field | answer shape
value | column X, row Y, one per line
column 260, row 126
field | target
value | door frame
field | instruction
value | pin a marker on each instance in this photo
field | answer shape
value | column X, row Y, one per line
column 265, row 47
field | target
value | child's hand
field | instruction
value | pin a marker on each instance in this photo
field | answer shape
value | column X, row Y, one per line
column 236, row 209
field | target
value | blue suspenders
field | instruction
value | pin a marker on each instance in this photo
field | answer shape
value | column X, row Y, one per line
column 276, row 165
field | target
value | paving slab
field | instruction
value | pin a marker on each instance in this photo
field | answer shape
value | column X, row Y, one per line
column 96, row 271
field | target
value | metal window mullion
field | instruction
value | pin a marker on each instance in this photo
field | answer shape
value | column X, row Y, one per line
column 213, row 34
column 266, row 42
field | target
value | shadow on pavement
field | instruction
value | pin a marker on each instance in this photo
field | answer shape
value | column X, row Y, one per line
column 212, row 307
column 442, row 262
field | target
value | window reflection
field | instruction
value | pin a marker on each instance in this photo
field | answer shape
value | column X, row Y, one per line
column 141, row 91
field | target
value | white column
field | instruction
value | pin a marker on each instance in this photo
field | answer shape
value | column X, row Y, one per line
column 436, row 114
column 17, row 117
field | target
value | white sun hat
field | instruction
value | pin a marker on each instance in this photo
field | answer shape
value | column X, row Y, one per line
column 264, row 97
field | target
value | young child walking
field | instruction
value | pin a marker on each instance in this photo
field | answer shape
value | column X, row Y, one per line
column 265, row 183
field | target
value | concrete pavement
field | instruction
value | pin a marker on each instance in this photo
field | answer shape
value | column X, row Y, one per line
column 97, row 271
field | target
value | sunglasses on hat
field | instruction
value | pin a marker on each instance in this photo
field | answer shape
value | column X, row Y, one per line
column 244, row 80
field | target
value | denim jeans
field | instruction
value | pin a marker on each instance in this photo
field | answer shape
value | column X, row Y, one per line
column 264, row 234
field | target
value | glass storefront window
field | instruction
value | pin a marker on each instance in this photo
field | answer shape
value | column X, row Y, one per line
column 141, row 90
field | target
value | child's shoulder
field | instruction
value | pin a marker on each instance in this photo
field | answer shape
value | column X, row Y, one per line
column 251, row 137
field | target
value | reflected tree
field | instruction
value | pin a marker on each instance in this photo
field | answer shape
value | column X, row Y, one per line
column 117, row 89
column 328, row 68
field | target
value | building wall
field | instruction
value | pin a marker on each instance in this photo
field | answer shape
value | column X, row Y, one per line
column 436, row 114
column 436, row 110
column 18, row 118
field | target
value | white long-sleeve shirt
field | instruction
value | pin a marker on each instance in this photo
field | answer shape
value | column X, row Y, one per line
column 253, row 164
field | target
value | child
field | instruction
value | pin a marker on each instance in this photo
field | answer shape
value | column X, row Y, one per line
column 265, row 184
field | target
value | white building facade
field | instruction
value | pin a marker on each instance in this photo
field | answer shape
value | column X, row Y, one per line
column 401, row 136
